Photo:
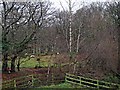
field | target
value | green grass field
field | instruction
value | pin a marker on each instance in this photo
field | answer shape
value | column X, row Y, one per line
column 61, row 86
column 32, row 62
column 44, row 61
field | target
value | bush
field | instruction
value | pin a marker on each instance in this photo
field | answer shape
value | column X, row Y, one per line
column 112, row 78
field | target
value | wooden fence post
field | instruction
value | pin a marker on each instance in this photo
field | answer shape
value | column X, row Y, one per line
column 80, row 80
column 32, row 80
column 14, row 83
column 52, row 78
column 65, row 77
column 98, row 84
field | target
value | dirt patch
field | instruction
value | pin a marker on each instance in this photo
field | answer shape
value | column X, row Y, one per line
column 30, row 71
column 23, row 72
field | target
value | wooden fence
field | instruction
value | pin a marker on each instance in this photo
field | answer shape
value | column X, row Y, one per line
column 90, row 83
column 37, row 80
column 34, row 80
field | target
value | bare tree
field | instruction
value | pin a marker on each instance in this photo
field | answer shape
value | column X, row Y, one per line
column 70, row 26
column 25, row 16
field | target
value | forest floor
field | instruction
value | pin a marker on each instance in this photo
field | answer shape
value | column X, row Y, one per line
column 23, row 72
column 30, row 71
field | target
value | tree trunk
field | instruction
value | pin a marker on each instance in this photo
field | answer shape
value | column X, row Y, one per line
column 78, row 39
column 118, row 68
column 70, row 28
column 75, row 64
column 18, row 64
column 74, row 68
column 5, row 64
column 13, row 63
column 49, row 67
column 4, row 41
column 70, row 59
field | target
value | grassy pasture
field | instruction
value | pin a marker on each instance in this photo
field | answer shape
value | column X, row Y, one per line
column 61, row 86
column 33, row 62
column 44, row 61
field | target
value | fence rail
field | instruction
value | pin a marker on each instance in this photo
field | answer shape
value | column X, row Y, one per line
column 88, row 82
column 44, row 79
column 33, row 81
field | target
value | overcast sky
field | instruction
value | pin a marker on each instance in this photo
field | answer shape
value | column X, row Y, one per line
column 77, row 3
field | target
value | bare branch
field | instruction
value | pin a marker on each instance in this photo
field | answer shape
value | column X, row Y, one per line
column 62, row 6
